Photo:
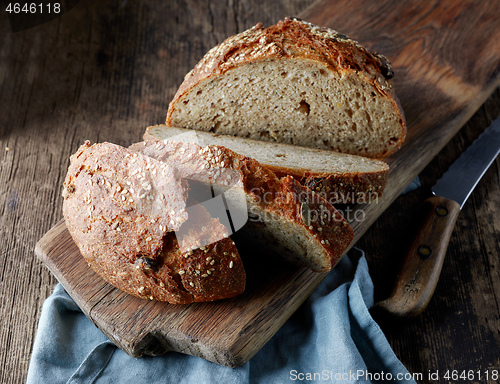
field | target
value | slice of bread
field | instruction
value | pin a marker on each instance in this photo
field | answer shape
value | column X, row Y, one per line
column 282, row 213
column 294, row 83
column 339, row 178
column 127, row 214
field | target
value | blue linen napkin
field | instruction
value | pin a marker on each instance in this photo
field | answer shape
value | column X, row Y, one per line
column 332, row 337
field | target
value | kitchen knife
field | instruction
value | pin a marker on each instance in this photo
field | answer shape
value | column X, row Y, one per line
column 419, row 275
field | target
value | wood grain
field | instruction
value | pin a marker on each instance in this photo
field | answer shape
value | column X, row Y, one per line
column 460, row 327
column 419, row 275
column 105, row 71
column 435, row 48
column 227, row 332
column 222, row 343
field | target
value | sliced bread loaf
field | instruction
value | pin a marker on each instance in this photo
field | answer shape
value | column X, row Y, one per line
column 282, row 213
column 127, row 214
column 294, row 83
column 339, row 178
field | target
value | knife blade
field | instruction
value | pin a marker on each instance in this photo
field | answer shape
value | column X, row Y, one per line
column 419, row 275
column 462, row 177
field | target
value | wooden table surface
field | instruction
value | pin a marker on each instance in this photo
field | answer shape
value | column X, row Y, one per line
column 105, row 71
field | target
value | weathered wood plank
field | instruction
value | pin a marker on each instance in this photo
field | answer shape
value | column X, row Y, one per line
column 459, row 328
column 103, row 71
column 428, row 133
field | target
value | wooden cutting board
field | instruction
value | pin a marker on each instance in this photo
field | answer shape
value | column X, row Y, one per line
column 446, row 57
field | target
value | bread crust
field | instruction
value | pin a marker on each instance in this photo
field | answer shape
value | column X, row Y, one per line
column 341, row 188
column 297, row 39
column 336, row 187
column 131, row 237
column 325, row 225
column 270, row 200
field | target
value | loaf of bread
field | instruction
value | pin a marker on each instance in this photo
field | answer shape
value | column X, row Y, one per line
column 127, row 214
column 294, row 83
column 339, row 178
column 283, row 214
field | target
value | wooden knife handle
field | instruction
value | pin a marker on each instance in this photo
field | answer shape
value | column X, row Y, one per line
column 419, row 275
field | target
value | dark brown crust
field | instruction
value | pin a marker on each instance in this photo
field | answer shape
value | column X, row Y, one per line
column 326, row 224
column 335, row 187
column 294, row 38
column 339, row 188
column 281, row 197
column 134, row 247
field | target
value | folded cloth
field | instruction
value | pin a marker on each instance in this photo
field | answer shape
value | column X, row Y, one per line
column 331, row 337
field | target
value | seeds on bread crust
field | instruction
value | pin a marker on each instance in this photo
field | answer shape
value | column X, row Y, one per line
column 134, row 243
column 294, row 83
column 337, row 177
column 281, row 207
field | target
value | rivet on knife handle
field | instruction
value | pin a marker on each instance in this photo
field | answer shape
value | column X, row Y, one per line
column 419, row 275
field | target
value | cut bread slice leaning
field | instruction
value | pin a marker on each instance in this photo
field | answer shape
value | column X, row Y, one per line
column 294, row 83
column 283, row 214
column 339, row 178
